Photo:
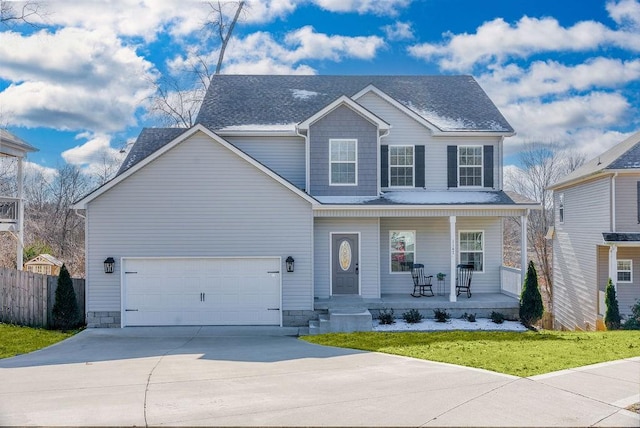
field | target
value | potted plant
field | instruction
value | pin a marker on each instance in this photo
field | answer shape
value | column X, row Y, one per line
column 441, row 276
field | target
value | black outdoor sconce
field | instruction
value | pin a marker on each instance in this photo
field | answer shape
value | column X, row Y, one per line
column 289, row 263
column 109, row 264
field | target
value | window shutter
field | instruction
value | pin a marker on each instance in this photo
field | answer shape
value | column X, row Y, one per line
column 488, row 166
column 452, row 166
column 384, row 166
column 419, row 166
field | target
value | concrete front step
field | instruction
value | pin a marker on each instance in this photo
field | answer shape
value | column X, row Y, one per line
column 342, row 320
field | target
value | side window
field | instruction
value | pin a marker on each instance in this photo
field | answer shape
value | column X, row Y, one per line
column 561, row 208
column 343, row 162
column 471, row 245
column 625, row 271
column 470, row 166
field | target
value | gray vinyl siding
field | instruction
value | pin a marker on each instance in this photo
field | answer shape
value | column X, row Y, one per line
column 433, row 250
column 284, row 155
column 586, row 216
column 343, row 123
column 369, row 243
column 407, row 131
column 627, row 203
column 198, row 199
column 627, row 293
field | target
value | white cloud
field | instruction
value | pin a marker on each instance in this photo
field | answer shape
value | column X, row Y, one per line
column 34, row 169
column 399, row 31
column 496, row 40
column 511, row 83
column 260, row 11
column 92, row 81
column 96, row 157
column 376, row 7
column 312, row 45
column 625, row 12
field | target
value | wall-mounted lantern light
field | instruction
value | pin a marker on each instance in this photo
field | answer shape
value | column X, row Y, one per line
column 289, row 263
column 109, row 264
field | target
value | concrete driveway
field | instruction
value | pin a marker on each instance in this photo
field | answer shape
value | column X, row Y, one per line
column 232, row 376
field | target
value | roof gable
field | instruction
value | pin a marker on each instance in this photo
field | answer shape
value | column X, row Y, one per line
column 349, row 103
column 457, row 101
column 46, row 259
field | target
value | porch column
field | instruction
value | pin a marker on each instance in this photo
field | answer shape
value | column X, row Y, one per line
column 613, row 265
column 523, row 248
column 20, row 213
column 452, row 274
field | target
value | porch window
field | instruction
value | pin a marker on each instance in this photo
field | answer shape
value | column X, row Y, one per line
column 343, row 162
column 625, row 271
column 402, row 250
column 561, row 208
column 470, row 166
column 401, row 166
column 471, row 245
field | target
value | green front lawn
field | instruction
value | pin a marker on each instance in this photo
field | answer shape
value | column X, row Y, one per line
column 519, row 354
column 15, row 340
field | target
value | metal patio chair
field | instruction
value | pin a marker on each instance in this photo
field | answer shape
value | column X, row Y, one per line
column 463, row 279
column 420, row 281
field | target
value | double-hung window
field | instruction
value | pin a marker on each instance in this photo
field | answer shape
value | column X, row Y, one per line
column 402, row 249
column 401, row 166
column 625, row 271
column 343, row 162
column 470, row 166
column 471, row 245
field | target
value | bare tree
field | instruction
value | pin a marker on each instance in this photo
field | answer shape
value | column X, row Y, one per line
column 12, row 12
column 541, row 165
column 177, row 99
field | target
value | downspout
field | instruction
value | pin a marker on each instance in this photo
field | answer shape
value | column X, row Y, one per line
column 613, row 202
column 307, row 182
column 380, row 137
column 307, row 178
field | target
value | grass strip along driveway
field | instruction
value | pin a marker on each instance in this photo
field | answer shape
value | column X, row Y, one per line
column 15, row 340
column 520, row 354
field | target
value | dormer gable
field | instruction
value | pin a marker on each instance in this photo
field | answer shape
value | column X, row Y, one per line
column 349, row 103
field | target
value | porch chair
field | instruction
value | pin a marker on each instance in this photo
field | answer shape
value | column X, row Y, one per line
column 463, row 279
column 420, row 281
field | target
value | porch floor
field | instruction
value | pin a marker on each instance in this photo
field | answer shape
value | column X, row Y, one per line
column 480, row 303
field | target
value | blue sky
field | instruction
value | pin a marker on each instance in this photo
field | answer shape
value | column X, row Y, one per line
column 564, row 72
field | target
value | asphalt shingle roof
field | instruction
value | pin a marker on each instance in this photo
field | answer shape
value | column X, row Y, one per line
column 149, row 140
column 452, row 103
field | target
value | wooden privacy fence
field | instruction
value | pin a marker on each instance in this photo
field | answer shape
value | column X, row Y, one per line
column 27, row 298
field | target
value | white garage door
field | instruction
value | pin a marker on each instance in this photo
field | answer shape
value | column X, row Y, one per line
column 201, row 291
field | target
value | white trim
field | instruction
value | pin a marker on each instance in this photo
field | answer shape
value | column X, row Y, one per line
column 413, row 166
column 415, row 250
column 331, row 261
column 484, row 259
column 475, row 146
column 348, row 102
column 82, row 203
column 355, row 161
column 618, row 271
column 122, row 274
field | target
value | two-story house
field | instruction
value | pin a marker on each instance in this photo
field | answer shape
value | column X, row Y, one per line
column 291, row 192
column 597, row 237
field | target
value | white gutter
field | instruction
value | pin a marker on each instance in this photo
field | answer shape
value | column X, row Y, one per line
column 307, row 160
column 613, row 202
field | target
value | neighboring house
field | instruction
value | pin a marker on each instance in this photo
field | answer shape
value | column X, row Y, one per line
column 351, row 177
column 597, row 237
column 44, row 264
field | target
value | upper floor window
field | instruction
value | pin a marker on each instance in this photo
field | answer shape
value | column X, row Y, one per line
column 625, row 271
column 471, row 245
column 470, row 166
column 401, row 166
column 343, row 162
column 561, row 207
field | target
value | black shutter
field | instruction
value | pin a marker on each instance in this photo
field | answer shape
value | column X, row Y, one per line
column 384, row 166
column 452, row 166
column 488, row 166
column 419, row 166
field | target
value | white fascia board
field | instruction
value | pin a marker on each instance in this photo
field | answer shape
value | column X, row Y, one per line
column 344, row 100
column 476, row 134
column 281, row 133
column 82, row 204
column 582, row 179
column 328, row 207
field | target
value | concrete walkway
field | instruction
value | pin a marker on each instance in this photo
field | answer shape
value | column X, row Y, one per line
column 231, row 376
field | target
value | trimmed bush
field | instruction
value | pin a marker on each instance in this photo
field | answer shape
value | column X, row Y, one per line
column 412, row 316
column 531, row 306
column 612, row 316
column 633, row 323
column 386, row 316
column 469, row 317
column 66, row 314
column 497, row 317
column 441, row 315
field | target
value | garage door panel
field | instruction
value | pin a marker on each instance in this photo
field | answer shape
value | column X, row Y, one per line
column 202, row 291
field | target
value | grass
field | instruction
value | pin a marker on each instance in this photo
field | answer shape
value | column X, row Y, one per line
column 16, row 340
column 520, row 354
